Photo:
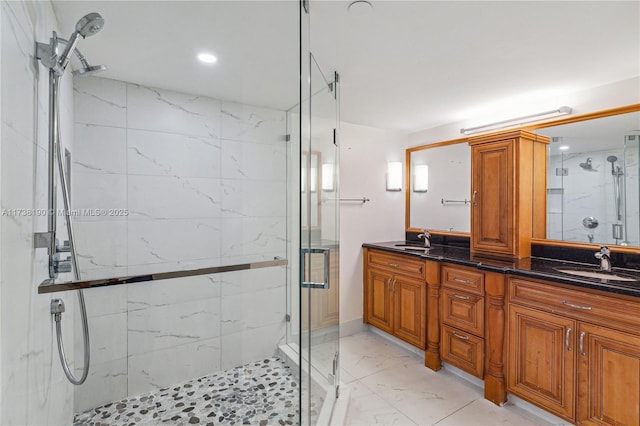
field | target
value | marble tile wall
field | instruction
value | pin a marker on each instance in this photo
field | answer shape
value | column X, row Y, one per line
column 585, row 193
column 33, row 389
column 203, row 183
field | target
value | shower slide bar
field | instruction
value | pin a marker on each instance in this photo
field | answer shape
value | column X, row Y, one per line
column 50, row 286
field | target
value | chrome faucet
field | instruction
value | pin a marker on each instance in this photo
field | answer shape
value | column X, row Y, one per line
column 427, row 238
column 605, row 259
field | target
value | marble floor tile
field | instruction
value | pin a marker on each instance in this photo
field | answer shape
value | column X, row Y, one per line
column 485, row 413
column 389, row 385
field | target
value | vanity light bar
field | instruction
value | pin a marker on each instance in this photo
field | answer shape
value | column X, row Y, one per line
column 563, row 110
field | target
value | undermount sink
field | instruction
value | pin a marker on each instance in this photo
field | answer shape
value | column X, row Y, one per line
column 602, row 275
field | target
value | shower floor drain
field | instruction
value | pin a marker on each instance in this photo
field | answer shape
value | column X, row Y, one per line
column 260, row 393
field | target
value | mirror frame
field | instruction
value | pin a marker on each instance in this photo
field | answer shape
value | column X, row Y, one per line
column 540, row 241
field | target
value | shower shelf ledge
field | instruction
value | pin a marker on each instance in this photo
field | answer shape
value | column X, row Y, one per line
column 50, row 286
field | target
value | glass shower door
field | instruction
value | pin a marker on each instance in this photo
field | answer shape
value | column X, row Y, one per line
column 319, row 255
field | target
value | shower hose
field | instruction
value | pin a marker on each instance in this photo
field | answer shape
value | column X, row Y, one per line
column 57, row 305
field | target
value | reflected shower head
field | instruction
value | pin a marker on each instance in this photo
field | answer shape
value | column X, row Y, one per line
column 90, row 69
column 587, row 165
column 89, row 24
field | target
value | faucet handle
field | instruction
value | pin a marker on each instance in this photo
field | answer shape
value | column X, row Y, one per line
column 605, row 250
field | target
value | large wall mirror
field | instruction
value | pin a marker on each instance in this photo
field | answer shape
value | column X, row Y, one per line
column 439, row 187
column 593, row 179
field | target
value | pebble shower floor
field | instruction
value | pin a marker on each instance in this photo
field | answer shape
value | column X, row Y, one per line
column 259, row 393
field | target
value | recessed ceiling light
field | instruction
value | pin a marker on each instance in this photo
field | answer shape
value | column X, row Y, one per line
column 207, row 58
column 563, row 147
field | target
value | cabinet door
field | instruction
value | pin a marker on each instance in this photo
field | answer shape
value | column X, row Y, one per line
column 492, row 212
column 608, row 377
column 542, row 359
column 409, row 298
column 378, row 309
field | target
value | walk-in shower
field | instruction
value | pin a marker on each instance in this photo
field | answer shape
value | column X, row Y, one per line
column 57, row 63
column 192, row 294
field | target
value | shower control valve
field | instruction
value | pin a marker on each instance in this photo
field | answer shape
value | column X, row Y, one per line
column 61, row 266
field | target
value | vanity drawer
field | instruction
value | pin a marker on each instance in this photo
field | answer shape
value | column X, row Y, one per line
column 398, row 264
column 465, row 279
column 463, row 310
column 463, row 350
column 579, row 304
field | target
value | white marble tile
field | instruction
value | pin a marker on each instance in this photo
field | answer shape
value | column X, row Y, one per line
column 101, row 245
column 173, row 325
column 172, row 112
column 253, row 280
column 248, row 311
column 98, row 193
column 367, row 408
column 107, row 382
column 108, row 338
column 17, row 103
column 364, row 354
column 422, row 394
column 100, row 101
column 251, row 345
column 169, row 154
column 152, row 370
column 106, row 300
column 165, row 241
column 166, row 197
column 253, row 236
column 250, row 198
column 485, row 413
column 173, row 291
column 99, row 149
column 252, row 124
column 244, row 160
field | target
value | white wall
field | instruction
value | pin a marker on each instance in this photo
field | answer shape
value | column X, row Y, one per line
column 32, row 384
column 202, row 183
column 612, row 95
column 364, row 153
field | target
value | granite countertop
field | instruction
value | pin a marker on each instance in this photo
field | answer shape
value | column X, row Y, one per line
column 531, row 267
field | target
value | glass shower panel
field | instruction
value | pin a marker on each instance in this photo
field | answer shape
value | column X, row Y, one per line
column 320, row 248
column 169, row 176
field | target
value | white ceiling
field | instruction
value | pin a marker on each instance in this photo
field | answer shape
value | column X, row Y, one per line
column 407, row 65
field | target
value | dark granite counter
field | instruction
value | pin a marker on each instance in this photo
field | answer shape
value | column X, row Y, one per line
column 530, row 267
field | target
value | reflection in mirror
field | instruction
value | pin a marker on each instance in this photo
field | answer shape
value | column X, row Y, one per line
column 592, row 181
column 440, row 188
column 309, row 189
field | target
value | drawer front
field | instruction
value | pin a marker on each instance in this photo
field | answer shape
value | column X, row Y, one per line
column 578, row 304
column 465, row 279
column 398, row 264
column 463, row 310
column 463, row 350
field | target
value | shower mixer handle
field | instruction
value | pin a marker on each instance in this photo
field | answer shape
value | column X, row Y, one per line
column 62, row 266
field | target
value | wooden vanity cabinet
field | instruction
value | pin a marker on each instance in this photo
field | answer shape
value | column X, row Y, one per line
column 574, row 353
column 504, row 185
column 395, row 295
column 462, row 311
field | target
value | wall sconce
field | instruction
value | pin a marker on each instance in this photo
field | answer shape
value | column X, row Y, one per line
column 563, row 110
column 394, row 176
column 328, row 178
column 421, row 178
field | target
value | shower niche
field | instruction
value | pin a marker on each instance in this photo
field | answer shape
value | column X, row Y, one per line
column 593, row 181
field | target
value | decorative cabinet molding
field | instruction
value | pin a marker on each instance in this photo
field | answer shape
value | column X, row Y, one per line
column 504, row 186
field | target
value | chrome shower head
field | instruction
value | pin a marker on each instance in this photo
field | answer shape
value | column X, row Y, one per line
column 587, row 165
column 90, row 69
column 89, row 24
column 612, row 158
